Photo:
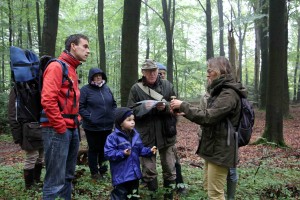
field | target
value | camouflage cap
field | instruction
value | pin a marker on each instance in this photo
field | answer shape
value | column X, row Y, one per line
column 149, row 64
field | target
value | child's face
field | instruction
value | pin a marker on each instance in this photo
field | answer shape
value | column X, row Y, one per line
column 128, row 123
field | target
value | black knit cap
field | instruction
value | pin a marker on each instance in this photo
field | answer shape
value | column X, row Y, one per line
column 120, row 115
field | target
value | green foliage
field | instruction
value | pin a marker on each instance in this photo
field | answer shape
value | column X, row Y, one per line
column 4, row 128
column 265, row 183
column 6, row 138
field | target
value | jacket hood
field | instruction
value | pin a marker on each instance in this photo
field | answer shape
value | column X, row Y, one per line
column 226, row 81
column 94, row 71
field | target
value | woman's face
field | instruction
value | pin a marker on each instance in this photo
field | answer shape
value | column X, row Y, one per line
column 97, row 78
column 211, row 75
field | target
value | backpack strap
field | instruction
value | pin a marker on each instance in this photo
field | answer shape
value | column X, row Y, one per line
column 150, row 92
column 66, row 77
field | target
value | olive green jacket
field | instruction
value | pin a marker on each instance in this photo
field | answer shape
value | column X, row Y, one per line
column 224, row 103
column 150, row 123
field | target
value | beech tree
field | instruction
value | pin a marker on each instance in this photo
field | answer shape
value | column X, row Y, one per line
column 129, row 48
column 275, row 84
column 50, row 27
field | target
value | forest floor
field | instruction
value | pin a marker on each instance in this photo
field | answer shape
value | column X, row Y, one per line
column 281, row 181
column 187, row 143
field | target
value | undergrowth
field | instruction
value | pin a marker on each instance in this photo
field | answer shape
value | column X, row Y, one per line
column 265, row 183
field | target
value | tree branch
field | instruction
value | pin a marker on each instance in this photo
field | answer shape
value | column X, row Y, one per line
column 153, row 10
column 202, row 6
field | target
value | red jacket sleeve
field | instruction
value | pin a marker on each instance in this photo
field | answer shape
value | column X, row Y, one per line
column 52, row 83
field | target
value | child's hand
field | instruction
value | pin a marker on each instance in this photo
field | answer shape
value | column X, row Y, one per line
column 154, row 149
column 127, row 152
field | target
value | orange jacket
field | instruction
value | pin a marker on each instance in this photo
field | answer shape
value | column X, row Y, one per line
column 54, row 94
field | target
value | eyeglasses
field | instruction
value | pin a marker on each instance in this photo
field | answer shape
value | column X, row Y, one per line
column 209, row 71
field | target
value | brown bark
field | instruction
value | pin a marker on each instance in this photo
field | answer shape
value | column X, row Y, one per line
column 129, row 48
column 50, row 27
column 275, row 89
column 101, row 36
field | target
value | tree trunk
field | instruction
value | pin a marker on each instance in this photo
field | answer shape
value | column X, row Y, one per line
column 20, row 28
column 256, row 8
column 296, row 98
column 232, row 53
column 10, row 19
column 274, row 109
column 147, row 29
column 221, row 27
column 101, row 36
column 286, row 94
column 209, row 43
column 38, row 21
column 241, row 37
column 50, row 26
column 28, row 27
column 2, row 56
column 264, row 55
column 169, row 22
column 130, row 47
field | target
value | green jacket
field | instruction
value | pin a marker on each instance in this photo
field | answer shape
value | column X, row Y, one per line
column 224, row 103
column 150, row 123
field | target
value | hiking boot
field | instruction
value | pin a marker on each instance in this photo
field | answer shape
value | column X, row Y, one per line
column 181, row 190
column 231, row 188
column 169, row 190
column 103, row 169
column 37, row 172
column 153, row 185
column 29, row 178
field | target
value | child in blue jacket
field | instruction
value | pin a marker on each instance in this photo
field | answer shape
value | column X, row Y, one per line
column 123, row 148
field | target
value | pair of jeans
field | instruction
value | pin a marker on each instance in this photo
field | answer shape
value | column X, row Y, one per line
column 60, row 160
column 232, row 175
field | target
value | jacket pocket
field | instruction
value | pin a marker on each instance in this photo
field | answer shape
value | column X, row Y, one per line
column 207, row 142
column 32, row 136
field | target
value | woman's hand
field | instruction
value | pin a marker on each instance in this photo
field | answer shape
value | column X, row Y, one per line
column 175, row 104
column 160, row 106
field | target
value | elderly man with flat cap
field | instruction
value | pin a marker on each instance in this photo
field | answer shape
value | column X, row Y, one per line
column 149, row 98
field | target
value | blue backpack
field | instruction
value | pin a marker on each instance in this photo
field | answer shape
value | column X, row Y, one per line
column 27, row 76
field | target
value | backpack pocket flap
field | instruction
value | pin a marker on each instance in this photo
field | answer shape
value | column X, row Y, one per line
column 23, row 74
column 32, row 131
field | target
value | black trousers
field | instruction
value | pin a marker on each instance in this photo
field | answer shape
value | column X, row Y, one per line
column 96, row 141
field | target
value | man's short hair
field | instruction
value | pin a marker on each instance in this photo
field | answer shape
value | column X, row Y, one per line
column 74, row 39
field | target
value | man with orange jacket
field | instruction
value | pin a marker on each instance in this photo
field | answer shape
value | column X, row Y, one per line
column 60, row 101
